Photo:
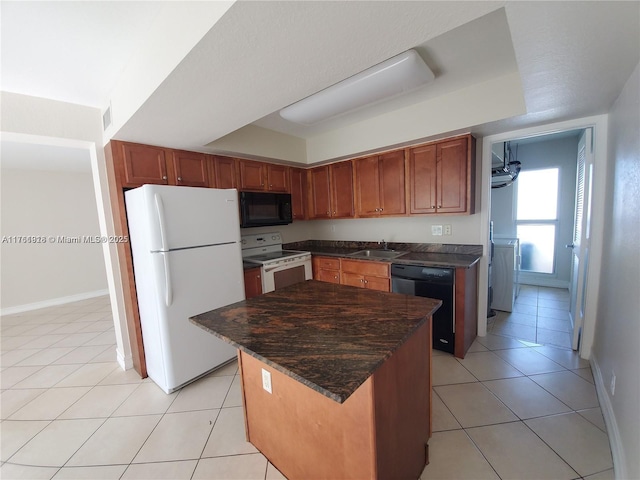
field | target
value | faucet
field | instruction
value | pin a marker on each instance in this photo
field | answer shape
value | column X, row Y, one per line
column 384, row 244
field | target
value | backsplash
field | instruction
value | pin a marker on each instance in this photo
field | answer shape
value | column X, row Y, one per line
column 407, row 247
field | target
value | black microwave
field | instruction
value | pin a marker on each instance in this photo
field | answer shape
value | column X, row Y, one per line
column 262, row 209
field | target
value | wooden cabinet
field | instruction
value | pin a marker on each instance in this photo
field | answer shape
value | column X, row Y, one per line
column 191, row 169
column 263, row 176
column 224, row 172
column 380, row 185
column 357, row 273
column 331, row 191
column 298, row 193
column 326, row 269
column 252, row 175
column 366, row 274
column 142, row 164
column 252, row 282
column 442, row 177
column 277, row 178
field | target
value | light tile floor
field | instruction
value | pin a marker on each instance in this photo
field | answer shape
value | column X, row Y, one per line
column 540, row 315
column 509, row 410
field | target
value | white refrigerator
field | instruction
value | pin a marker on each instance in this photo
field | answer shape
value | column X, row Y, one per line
column 187, row 260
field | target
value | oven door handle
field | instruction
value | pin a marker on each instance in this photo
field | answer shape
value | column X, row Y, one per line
column 268, row 269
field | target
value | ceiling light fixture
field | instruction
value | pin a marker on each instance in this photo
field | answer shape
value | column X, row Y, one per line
column 392, row 77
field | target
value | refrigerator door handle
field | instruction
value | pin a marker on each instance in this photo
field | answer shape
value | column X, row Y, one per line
column 168, row 291
column 163, row 229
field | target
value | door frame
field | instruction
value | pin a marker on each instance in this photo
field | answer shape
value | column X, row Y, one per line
column 599, row 124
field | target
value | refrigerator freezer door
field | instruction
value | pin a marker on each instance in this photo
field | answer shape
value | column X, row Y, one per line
column 183, row 217
column 201, row 279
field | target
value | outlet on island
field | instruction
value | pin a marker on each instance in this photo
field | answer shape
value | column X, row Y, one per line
column 266, row 380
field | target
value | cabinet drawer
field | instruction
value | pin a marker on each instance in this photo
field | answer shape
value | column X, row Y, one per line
column 377, row 269
column 327, row 263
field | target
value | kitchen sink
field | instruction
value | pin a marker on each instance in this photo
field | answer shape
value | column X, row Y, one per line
column 384, row 254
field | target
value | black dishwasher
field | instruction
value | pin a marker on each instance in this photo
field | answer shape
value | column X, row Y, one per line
column 435, row 283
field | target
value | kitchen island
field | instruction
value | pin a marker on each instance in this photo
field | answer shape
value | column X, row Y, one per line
column 350, row 377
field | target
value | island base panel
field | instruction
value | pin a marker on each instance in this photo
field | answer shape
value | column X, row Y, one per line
column 380, row 431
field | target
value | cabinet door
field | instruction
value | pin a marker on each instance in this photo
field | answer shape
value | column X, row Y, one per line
column 392, row 183
column 331, row 276
column 377, row 283
column 252, row 175
column 319, row 193
column 367, row 191
column 422, row 179
column 353, row 279
column 452, row 176
column 225, row 172
column 190, row 169
column 341, row 190
column 298, row 193
column 252, row 283
column 143, row 164
column 278, row 178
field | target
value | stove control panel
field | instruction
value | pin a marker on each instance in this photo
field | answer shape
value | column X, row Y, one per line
column 255, row 240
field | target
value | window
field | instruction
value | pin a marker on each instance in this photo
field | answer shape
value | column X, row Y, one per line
column 537, row 219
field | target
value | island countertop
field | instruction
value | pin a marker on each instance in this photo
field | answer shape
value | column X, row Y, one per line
column 329, row 337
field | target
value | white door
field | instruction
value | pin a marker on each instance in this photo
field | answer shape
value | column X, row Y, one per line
column 182, row 217
column 192, row 281
column 581, row 234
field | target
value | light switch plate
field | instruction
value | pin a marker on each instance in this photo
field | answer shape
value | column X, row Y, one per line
column 266, row 380
column 436, row 229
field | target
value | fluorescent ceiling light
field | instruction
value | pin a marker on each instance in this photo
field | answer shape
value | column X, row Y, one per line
column 392, row 77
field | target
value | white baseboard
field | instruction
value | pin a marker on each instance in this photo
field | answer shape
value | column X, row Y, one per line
column 617, row 451
column 52, row 302
column 125, row 362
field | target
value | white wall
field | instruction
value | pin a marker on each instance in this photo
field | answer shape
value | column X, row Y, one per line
column 547, row 153
column 39, row 120
column 49, row 204
column 617, row 337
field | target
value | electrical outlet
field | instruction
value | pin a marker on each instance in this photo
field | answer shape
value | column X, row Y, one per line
column 266, row 380
column 447, row 229
column 436, row 229
column 613, row 384
column 333, row 228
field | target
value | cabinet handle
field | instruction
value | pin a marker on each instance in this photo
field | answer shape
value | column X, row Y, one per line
column 361, row 280
column 258, row 276
column 328, row 213
column 366, row 281
column 439, row 206
column 381, row 209
column 179, row 179
column 336, row 277
column 164, row 177
column 433, row 206
column 334, row 213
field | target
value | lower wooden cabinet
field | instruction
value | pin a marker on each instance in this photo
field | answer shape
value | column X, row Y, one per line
column 326, row 269
column 252, row 282
column 357, row 273
column 366, row 274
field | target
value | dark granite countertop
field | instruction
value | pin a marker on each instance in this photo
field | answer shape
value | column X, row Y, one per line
column 249, row 265
column 329, row 337
column 426, row 259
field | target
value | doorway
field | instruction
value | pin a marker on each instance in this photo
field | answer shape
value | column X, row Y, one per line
column 533, row 218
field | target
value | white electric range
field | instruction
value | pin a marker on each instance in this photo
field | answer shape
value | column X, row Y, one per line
column 280, row 268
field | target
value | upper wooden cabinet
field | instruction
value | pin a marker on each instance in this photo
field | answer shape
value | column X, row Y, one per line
column 331, row 191
column 442, row 177
column 380, row 185
column 191, row 169
column 263, row 176
column 298, row 193
column 224, row 172
column 141, row 164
